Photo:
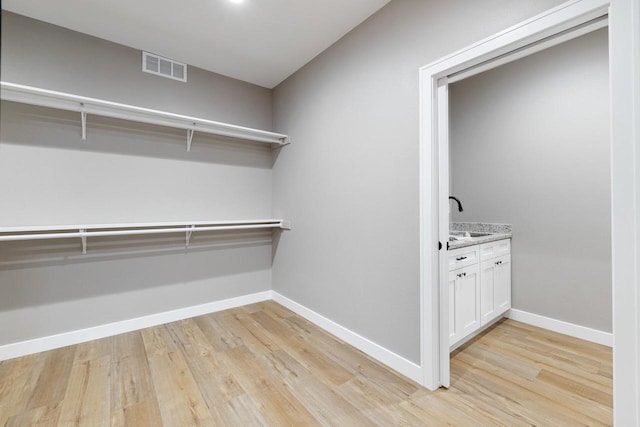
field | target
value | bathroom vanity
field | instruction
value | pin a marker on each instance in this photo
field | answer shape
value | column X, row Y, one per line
column 479, row 282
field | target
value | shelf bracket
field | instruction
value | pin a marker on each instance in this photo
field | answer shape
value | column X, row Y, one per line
column 83, row 120
column 189, row 232
column 190, row 133
column 284, row 141
column 84, row 240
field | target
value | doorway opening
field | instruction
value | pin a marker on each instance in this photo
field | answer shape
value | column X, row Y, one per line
column 556, row 26
column 529, row 152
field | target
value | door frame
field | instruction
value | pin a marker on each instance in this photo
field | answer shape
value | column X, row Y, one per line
column 624, row 57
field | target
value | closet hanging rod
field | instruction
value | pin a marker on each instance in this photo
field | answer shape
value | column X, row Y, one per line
column 83, row 232
column 45, row 236
column 137, row 225
column 92, row 106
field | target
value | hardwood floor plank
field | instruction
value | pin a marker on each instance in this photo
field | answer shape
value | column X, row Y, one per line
column 130, row 373
column 244, row 412
column 221, row 338
column 433, row 410
column 44, row 416
column 87, row 401
column 576, row 387
column 476, row 408
column 18, row 379
column 544, row 361
column 278, row 404
column 219, row 387
column 236, row 323
column 144, row 413
column 558, row 346
column 375, row 403
column 181, row 403
column 315, row 361
column 352, row 359
column 263, row 365
column 53, row 378
column 550, row 403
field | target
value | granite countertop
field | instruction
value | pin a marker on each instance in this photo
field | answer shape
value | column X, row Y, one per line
column 498, row 232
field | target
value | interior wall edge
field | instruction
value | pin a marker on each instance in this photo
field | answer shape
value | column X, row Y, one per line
column 376, row 351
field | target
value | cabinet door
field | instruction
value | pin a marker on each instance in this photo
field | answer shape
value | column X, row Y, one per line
column 465, row 300
column 488, row 309
column 452, row 308
column 495, row 288
column 502, row 284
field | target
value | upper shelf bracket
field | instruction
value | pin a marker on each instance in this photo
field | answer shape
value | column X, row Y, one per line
column 189, row 232
column 83, row 121
column 83, row 237
column 190, row 133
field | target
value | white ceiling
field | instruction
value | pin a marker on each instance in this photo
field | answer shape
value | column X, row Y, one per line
column 258, row 41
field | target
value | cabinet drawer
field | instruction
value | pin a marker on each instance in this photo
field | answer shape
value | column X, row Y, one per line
column 463, row 257
column 495, row 249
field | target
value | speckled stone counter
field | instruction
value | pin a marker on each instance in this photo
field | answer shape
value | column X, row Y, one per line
column 498, row 232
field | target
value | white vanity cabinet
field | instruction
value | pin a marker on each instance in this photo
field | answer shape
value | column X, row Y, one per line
column 479, row 287
column 495, row 288
column 464, row 302
column 464, row 292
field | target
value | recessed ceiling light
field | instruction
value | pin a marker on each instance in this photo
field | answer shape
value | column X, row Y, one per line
column 237, row 1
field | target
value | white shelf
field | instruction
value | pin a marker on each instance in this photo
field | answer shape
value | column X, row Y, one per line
column 100, row 230
column 83, row 105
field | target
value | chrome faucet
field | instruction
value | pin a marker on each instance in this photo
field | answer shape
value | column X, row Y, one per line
column 457, row 201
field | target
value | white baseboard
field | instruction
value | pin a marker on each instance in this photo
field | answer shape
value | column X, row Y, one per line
column 577, row 331
column 376, row 351
column 23, row 348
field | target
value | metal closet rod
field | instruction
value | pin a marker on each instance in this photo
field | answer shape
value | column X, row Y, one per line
column 84, row 231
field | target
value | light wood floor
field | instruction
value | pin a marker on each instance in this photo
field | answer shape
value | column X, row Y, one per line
column 264, row 365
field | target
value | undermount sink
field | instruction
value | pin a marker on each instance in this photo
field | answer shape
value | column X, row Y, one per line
column 457, row 235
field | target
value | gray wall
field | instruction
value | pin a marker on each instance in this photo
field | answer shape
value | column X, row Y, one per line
column 530, row 146
column 349, row 181
column 124, row 172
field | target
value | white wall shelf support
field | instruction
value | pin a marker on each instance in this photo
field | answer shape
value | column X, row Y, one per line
column 189, row 232
column 190, row 133
column 83, row 121
column 101, row 230
column 84, row 105
column 83, row 236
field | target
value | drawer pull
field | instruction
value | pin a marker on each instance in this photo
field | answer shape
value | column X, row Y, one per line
column 462, row 274
column 461, row 258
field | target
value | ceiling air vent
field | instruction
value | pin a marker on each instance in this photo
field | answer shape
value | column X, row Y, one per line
column 164, row 67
